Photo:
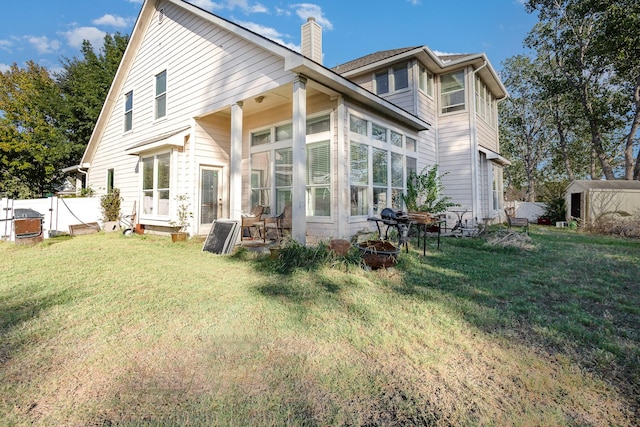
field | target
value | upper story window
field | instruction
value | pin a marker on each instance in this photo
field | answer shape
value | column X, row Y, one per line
column 452, row 92
column 128, row 111
column 485, row 103
column 426, row 81
column 161, row 95
column 391, row 80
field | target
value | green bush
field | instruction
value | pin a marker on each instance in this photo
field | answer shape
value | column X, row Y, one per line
column 110, row 205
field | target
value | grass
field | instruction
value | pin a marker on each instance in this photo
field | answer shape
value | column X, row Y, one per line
column 112, row 330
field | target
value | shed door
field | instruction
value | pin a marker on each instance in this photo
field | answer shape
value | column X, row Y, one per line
column 210, row 202
column 576, row 203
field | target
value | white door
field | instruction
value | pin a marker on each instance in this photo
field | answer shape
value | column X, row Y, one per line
column 210, row 207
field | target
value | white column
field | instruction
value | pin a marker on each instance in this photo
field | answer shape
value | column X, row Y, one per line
column 299, row 184
column 235, row 169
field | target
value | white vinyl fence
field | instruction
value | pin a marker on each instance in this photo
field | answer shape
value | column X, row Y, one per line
column 58, row 214
column 530, row 210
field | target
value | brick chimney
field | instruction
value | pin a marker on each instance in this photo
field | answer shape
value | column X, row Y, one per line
column 312, row 40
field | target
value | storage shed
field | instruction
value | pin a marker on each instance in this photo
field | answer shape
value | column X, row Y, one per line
column 590, row 199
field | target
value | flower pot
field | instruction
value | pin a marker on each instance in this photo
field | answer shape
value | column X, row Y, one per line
column 378, row 253
column 179, row 236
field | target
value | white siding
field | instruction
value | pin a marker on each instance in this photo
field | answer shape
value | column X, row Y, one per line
column 207, row 69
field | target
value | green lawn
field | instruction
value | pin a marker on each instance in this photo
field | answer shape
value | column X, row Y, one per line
column 112, row 330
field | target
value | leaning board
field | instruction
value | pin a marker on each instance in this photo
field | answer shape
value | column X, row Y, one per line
column 222, row 236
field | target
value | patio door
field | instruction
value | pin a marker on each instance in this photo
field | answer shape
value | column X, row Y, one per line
column 210, row 208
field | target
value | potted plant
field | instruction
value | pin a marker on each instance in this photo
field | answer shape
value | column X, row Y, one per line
column 183, row 215
column 110, row 207
column 424, row 194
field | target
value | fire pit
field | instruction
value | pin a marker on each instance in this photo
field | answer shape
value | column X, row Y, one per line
column 378, row 253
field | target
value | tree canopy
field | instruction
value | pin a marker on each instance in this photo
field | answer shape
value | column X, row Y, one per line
column 46, row 120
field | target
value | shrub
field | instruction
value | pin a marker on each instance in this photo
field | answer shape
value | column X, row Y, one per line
column 110, row 205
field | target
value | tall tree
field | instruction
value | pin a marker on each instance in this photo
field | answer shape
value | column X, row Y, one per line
column 525, row 126
column 33, row 143
column 572, row 34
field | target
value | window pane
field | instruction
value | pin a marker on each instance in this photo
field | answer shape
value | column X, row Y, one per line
column 161, row 106
column 318, row 170
column 317, row 125
column 396, row 199
column 452, row 95
column 379, row 132
column 284, row 132
column 161, row 83
column 401, row 77
column 359, row 200
column 261, row 179
column 260, row 138
column 147, row 173
column 411, row 144
column 128, row 121
column 359, row 164
column 396, row 170
column 128, row 103
column 283, row 198
column 396, row 139
column 382, row 82
column 163, row 202
column 380, row 167
column 357, row 125
column 411, row 166
column 318, row 201
column 284, row 167
column 379, row 198
column 164, row 176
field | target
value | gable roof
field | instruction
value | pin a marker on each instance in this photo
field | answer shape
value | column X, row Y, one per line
column 370, row 59
column 294, row 62
column 434, row 62
column 599, row 184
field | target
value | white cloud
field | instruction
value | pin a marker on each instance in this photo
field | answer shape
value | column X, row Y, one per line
column 76, row 36
column 414, row 2
column 6, row 45
column 136, row 1
column 269, row 33
column 281, row 12
column 112, row 21
column 310, row 10
column 4, row 68
column 42, row 44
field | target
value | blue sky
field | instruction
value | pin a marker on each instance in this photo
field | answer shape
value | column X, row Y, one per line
column 46, row 30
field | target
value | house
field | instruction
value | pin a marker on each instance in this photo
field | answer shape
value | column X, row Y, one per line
column 204, row 107
column 588, row 200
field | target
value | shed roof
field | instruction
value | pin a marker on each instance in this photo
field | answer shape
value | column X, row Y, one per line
column 586, row 184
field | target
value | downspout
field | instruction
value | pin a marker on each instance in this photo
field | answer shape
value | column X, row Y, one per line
column 474, row 146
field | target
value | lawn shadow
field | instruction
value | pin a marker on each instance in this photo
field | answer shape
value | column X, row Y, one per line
column 16, row 310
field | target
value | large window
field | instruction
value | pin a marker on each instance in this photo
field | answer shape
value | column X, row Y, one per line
column 379, row 163
column 392, row 79
column 128, row 111
column 452, row 92
column 272, row 166
column 156, row 177
column 485, row 103
column 161, row 95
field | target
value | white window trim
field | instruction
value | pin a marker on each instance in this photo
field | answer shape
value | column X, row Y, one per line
column 466, row 94
column 430, row 78
column 156, row 72
column 124, row 107
column 288, row 143
column 391, row 80
column 371, row 143
column 151, row 219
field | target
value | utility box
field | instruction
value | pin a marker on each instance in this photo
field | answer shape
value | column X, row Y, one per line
column 27, row 225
